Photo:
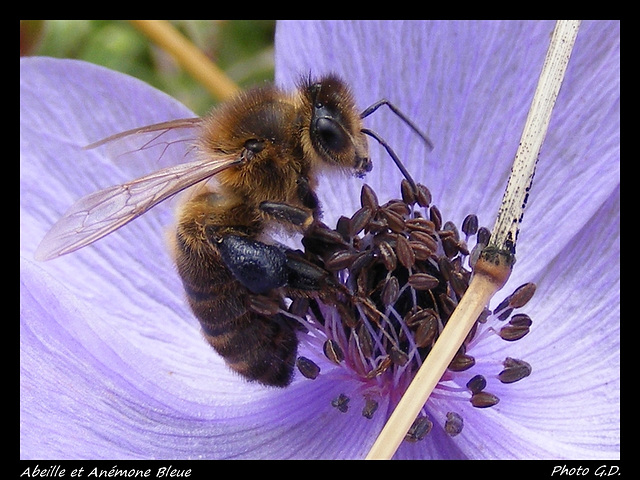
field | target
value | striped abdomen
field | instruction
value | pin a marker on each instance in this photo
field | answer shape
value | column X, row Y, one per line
column 259, row 347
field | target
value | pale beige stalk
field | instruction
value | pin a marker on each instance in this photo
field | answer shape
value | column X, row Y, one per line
column 189, row 57
column 494, row 267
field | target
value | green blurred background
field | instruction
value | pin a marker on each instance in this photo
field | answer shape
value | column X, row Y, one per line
column 242, row 48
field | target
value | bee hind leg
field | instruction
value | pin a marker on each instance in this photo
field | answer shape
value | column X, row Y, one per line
column 262, row 267
column 304, row 275
column 258, row 266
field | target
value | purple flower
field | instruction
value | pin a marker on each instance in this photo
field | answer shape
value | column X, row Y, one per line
column 112, row 361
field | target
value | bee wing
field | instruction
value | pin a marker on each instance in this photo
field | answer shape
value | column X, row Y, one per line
column 161, row 136
column 100, row 213
column 161, row 128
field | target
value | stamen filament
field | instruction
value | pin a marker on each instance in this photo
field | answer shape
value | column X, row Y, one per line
column 463, row 318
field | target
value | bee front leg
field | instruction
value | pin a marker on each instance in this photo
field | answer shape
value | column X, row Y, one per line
column 288, row 213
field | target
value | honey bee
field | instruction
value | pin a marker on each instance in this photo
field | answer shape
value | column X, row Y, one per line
column 265, row 150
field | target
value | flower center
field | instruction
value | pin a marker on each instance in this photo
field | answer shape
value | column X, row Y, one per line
column 399, row 273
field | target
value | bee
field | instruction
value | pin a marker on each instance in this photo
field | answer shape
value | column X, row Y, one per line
column 265, row 150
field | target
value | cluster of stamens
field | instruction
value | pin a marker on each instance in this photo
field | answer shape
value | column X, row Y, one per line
column 399, row 273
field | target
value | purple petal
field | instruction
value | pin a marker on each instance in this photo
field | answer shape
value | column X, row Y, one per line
column 118, row 358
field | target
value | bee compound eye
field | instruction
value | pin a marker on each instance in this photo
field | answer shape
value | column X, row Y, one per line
column 330, row 134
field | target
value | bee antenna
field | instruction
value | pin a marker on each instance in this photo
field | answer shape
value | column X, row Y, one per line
column 369, row 110
column 392, row 154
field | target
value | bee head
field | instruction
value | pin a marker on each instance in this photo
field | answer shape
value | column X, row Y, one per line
column 335, row 127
